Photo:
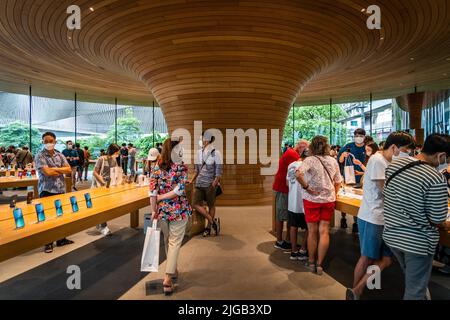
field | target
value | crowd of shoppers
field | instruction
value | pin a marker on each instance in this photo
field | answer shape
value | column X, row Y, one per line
column 404, row 204
column 16, row 157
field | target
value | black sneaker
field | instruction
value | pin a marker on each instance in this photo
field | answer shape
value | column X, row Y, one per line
column 74, row 188
column 355, row 228
column 63, row 242
column 283, row 245
column 207, row 232
column 218, row 225
column 302, row 255
column 343, row 223
column 350, row 295
column 294, row 255
column 48, row 248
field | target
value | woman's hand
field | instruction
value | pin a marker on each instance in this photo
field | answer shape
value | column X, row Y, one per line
column 312, row 192
column 357, row 162
column 155, row 215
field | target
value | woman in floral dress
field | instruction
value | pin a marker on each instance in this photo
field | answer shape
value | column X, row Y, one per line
column 169, row 205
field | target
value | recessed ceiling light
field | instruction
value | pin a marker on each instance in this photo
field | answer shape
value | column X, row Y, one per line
column 448, row 59
column 92, row 9
column 412, row 59
column 381, row 38
column 363, row 9
column 444, row 74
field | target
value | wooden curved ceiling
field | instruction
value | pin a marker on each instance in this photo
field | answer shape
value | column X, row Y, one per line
column 176, row 48
column 229, row 63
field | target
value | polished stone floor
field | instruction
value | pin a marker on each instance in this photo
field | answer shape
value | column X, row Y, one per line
column 239, row 264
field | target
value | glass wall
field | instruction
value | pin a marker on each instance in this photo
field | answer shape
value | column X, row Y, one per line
column 436, row 116
column 343, row 119
column 14, row 120
column 91, row 124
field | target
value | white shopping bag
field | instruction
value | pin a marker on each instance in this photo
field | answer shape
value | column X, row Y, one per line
column 113, row 177
column 349, row 172
column 150, row 253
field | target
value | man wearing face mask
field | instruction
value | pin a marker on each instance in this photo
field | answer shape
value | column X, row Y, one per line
column 51, row 167
column 358, row 150
column 72, row 157
column 415, row 207
column 208, row 172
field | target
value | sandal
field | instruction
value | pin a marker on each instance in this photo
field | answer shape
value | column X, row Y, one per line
column 311, row 266
column 168, row 289
column 319, row 270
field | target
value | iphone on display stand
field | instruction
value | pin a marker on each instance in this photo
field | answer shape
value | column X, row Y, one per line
column 58, row 207
column 74, row 203
column 18, row 218
column 40, row 212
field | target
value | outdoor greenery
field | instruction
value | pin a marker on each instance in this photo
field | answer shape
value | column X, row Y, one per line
column 18, row 134
column 315, row 120
column 128, row 131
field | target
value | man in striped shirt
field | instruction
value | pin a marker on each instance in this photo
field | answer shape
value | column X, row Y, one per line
column 415, row 207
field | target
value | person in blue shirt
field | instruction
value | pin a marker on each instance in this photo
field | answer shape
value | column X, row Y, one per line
column 356, row 149
column 72, row 158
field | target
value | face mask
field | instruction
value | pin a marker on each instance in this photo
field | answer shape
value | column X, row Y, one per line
column 403, row 154
column 69, row 146
column 368, row 154
column 359, row 140
column 49, row 146
column 442, row 167
column 177, row 154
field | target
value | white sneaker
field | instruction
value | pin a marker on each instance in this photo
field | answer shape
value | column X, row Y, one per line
column 105, row 231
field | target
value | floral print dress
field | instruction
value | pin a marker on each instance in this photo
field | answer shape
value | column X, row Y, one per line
column 162, row 182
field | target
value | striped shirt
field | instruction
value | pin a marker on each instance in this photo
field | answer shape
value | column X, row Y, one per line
column 413, row 200
column 213, row 166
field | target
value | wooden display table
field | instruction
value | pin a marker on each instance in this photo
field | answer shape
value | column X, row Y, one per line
column 351, row 206
column 15, row 182
column 108, row 204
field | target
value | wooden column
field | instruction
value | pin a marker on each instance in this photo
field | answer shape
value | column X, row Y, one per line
column 414, row 104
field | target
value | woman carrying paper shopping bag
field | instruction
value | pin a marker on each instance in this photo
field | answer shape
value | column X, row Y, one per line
column 170, row 205
column 102, row 173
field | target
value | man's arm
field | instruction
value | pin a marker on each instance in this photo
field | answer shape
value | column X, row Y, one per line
column 51, row 172
column 436, row 203
column 218, row 169
column 343, row 154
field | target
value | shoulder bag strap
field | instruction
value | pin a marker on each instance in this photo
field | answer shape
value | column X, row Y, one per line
column 408, row 166
column 328, row 173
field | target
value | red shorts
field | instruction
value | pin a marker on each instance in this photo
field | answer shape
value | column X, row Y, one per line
column 316, row 212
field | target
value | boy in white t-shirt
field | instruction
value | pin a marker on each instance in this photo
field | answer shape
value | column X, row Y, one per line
column 374, row 251
column 296, row 215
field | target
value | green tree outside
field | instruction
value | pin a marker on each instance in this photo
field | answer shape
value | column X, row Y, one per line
column 315, row 120
column 17, row 134
column 128, row 129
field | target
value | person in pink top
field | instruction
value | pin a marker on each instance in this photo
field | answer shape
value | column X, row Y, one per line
column 320, row 178
column 282, row 191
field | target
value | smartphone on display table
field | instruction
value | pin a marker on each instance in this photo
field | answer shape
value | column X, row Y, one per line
column 18, row 218
column 59, row 209
column 74, row 203
column 40, row 212
column 88, row 199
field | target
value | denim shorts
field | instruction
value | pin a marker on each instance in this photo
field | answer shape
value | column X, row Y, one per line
column 371, row 241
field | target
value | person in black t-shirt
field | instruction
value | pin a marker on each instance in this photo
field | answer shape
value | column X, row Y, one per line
column 124, row 158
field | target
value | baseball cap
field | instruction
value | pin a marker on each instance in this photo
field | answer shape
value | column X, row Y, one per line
column 153, row 154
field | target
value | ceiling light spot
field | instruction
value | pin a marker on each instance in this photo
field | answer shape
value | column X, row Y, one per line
column 92, row 9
